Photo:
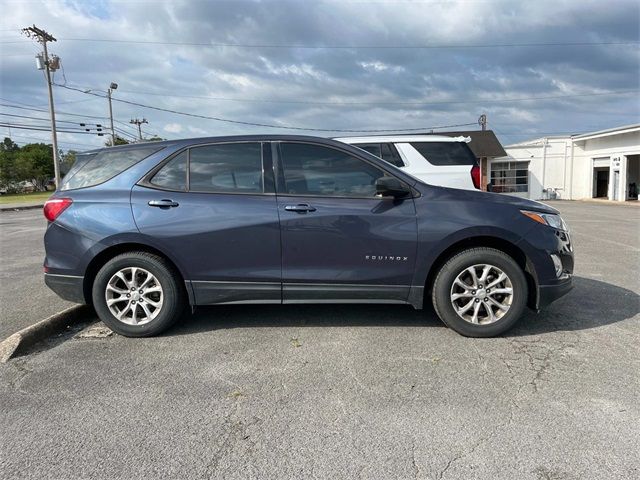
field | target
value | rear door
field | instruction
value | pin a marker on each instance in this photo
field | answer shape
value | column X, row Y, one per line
column 213, row 210
column 447, row 164
column 340, row 242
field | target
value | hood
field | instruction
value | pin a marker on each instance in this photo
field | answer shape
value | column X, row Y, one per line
column 485, row 197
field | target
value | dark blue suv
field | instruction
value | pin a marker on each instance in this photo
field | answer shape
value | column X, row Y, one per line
column 140, row 231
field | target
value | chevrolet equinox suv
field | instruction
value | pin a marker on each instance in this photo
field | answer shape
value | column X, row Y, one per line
column 140, row 231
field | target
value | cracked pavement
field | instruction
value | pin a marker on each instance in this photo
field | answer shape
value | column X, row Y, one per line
column 347, row 391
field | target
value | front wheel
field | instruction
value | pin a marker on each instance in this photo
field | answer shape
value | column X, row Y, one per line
column 480, row 292
column 137, row 294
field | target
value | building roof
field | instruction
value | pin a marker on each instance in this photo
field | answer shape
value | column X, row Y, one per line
column 484, row 143
column 579, row 137
column 610, row 131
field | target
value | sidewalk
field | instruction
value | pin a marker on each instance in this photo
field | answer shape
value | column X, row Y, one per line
column 21, row 205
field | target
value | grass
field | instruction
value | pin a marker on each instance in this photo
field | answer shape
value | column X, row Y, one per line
column 24, row 197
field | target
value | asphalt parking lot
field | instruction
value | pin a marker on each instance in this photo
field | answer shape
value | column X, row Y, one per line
column 339, row 391
column 24, row 298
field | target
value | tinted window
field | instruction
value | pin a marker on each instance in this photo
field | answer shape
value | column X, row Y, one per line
column 81, row 159
column 383, row 151
column 231, row 168
column 390, row 155
column 373, row 148
column 317, row 170
column 105, row 165
column 445, row 153
column 173, row 175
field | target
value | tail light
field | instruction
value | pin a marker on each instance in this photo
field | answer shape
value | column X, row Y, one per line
column 54, row 207
column 475, row 176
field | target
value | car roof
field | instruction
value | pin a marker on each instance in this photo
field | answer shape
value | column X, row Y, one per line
column 183, row 142
column 402, row 139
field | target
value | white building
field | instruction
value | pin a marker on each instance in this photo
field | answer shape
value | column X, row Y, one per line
column 604, row 164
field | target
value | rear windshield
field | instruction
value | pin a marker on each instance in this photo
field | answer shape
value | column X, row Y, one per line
column 95, row 168
column 445, row 153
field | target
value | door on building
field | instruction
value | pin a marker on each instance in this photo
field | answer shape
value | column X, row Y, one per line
column 602, row 182
column 633, row 176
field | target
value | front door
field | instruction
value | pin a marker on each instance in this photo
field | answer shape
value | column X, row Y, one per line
column 339, row 241
column 213, row 211
column 602, row 183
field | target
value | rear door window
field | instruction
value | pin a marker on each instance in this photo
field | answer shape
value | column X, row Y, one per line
column 104, row 165
column 173, row 175
column 226, row 168
column 445, row 153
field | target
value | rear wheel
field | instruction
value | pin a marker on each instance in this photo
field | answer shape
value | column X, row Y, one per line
column 480, row 292
column 137, row 294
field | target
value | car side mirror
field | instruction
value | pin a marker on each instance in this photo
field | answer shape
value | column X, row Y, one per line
column 391, row 187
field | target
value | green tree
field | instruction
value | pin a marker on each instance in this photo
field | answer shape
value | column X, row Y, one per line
column 8, row 174
column 34, row 163
column 119, row 141
column 67, row 161
column 8, row 145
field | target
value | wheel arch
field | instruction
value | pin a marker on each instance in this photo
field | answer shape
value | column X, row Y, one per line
column 488, row 241
column 100, row 259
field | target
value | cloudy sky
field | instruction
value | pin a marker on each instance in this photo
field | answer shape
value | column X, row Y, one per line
column 533, row 67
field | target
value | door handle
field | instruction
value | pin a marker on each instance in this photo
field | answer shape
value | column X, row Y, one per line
column 300, row 208
column 164, row 203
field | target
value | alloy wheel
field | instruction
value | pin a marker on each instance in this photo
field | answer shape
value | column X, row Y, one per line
column 134, row 296
column 482, row 294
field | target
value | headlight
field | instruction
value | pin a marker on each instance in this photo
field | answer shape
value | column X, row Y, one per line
column 550, row 219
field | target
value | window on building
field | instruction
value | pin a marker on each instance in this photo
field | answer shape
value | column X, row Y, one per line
column 510, row 177
column 226, row 168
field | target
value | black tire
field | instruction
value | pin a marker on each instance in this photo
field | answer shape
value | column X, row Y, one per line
column 172, row 290
column 441, row 293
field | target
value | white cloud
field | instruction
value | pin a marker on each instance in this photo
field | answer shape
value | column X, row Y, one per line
column 362, row 88
column 173, row 128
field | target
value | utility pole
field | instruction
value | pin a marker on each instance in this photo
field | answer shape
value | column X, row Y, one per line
column 139, row 123
column 112, row 87
column 482, row 121
column 484, row 161
column 43, row 63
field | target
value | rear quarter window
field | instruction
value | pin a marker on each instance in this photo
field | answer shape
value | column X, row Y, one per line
column 445, row 153
column 93, row 169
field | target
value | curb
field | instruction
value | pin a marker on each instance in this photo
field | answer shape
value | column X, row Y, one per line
column 24, row 207
column 41, row 330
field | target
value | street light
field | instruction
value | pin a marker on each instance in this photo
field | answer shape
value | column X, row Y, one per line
column 112, row 86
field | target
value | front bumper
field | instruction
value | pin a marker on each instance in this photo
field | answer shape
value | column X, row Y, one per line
column 67, row 287
column 550, row 293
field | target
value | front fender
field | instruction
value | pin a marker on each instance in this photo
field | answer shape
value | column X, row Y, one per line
column 430, row 250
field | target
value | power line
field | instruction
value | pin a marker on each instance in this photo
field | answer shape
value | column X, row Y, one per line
column 35, row 109
column 41, row 140
column 267, row 125
column 40, row 128
column 305, row 102
column 37, row 118
column 347, row 47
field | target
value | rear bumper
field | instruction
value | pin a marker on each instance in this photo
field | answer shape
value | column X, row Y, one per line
column 550, row 293
column 67, row 287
